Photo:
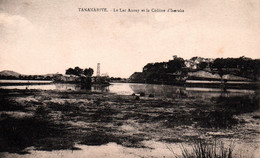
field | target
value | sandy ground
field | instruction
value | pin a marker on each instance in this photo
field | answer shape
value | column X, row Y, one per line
column 49, row 123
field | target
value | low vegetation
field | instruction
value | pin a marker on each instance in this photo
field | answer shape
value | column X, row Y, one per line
column 206, row 149
column 54, row 120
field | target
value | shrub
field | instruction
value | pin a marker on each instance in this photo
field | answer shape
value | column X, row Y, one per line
column 204, row 149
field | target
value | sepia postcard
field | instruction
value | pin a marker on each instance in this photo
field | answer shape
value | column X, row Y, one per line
column 129, row 78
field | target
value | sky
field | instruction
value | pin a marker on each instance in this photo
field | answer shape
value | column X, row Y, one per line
column 50, row 36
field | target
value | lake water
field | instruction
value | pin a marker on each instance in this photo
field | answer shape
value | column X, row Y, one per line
column 166, row 91
column 25, row 81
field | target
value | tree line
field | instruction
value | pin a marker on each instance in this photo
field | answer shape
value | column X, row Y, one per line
column 176, row 70
column 77, row 71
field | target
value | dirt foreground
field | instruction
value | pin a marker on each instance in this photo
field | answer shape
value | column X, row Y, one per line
column 53, row 123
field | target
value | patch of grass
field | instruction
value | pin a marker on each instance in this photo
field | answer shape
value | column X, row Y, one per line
column 216, row 119
column 172, row 140
column 97, row 138
column 10, row 105
column 104, row 114
column 66, row 107
column 101, row 137
column 178, row 119
column 256, row 117
column 201, row 149
column 54, row 143
column 41, row 112
column 18, row 134
column 238, row 104
column 17, row 92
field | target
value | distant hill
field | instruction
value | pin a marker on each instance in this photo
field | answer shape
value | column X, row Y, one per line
column 9, row 73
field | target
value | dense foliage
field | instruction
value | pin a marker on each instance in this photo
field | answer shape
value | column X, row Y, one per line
column 244, row 67
column 165, row 72
column 78, row 71
column 176, row 70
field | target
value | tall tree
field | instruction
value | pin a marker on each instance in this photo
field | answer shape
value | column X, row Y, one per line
column 78, row 71
column 70, row 71
column 88, row 72
column 176, row 65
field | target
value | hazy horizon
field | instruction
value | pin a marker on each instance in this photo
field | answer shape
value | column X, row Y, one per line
column 95, row 72
column 43, row 37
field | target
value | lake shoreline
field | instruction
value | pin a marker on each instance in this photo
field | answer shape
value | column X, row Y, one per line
column 188, row 83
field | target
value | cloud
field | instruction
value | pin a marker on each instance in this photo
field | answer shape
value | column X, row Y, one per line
column 24, row 46
column 8, row 21
column 12, row 27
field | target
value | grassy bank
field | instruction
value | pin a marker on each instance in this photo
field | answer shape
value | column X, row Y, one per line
column 54, row 120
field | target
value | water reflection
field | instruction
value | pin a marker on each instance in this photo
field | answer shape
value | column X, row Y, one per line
column 66, row 87
column 165, row 91
column 168, row 91
column 99, row 88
